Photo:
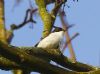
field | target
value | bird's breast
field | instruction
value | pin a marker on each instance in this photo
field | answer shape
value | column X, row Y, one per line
column 50, row 42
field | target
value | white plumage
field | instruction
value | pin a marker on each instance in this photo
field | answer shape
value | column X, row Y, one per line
column 52, row 41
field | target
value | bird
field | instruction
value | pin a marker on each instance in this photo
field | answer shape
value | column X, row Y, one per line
column 53, row 40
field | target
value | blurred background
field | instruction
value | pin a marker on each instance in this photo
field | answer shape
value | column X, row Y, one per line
column 85, row 14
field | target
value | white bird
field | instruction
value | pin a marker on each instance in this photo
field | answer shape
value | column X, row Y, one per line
column 53, row 40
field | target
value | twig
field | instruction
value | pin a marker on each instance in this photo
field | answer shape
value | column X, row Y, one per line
column 6, row 64
column 66, row 44
column 51, row 54
column 65, row 25
column 15, row 27
column 57, row 7
column 30, row 62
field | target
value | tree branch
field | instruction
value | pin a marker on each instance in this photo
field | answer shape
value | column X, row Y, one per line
column 57, row 7
column 66, row 44
column 15, row 27
column 58, row 57
column 65, row 25
column 50, row 54
column 6, row 64
column 31, row 62
column 47, row 18
column 2, row 21
column 37, row 64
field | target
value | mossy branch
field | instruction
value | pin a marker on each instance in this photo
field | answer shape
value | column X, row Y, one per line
column 47, row 18
column 6, row 64
column 32, row 61
column 2, row 25
column 56, row 56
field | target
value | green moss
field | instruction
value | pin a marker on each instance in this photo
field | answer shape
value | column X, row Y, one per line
column 46, row 18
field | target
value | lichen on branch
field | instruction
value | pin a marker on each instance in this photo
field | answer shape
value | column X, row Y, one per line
column 48, row 18
column 2, row 26
column 45, row 16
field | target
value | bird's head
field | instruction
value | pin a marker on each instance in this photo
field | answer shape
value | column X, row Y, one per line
column 58, row 29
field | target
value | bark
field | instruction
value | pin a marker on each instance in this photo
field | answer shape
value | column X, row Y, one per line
column 34, row 63
column 30, row 62
column 65, row 25
column 33, row 59
column 6, row 64
column 2, row 26
column 4, row 61
column 48, row 18
column 58, row 57
column 5, row 36
column 45, row 16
